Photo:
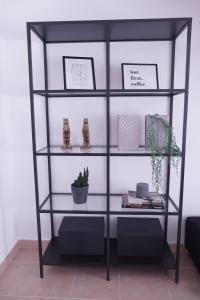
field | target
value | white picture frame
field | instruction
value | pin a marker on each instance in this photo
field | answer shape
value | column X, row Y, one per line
column 78, row 73
column 139, row 76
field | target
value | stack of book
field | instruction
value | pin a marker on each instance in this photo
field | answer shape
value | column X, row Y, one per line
column 153, row 201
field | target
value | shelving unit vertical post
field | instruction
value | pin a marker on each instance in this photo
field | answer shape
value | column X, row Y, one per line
column 48, row 136
column 170, row 122
column 184, row 133
column 107, row 34
column 37, row 202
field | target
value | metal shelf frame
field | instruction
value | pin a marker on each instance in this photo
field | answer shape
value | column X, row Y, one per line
column 112, row 92
column 48, row 151
column 150, row 212
column 107, row 31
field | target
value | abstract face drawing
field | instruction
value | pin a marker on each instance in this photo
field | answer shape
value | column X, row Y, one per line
column 80, row 74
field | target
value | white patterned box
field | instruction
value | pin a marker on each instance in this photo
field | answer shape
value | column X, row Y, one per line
column 128, row 132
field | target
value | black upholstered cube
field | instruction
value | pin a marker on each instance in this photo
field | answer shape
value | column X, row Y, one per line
column 140, row 237
column 81, row 236
column 192, row 239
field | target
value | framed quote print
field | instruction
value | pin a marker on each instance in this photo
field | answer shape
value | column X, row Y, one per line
column 139, row 76
column 78, row 73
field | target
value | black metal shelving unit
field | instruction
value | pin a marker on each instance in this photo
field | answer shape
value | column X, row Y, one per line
column 107, row 31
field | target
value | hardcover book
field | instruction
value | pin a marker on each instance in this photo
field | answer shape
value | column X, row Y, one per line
column 153, row 201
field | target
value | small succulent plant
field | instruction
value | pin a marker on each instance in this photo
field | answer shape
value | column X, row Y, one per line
column 82, row 179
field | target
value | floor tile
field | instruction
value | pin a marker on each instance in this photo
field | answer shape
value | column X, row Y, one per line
column 9, row 298
column 12, row 281
column 137, row 284
column 30, row 298
column 26, row 256
column 91, row 283
column 185, row 260
column 57, row 282
column 22, row 281
column 188, row 287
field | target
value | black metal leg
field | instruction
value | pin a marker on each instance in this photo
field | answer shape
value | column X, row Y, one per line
column 41, row 271
column 108, row 249
column 177, row 275
column 177, row 267
column 178, row 250
column 108, row 274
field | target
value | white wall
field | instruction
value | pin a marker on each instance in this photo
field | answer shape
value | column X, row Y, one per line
column 16, row 176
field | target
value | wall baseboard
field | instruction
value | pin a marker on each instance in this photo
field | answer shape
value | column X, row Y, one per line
column 9, row 258
column 20, row 244
column 33, row 244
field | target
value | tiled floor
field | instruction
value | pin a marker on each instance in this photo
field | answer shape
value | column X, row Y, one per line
column 21, row 281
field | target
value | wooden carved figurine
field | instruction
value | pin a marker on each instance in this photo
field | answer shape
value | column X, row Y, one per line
column 66, row 135
column 86, row 135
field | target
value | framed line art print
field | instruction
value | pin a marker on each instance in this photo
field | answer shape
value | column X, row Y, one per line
column 139, row 76
column 78, row 73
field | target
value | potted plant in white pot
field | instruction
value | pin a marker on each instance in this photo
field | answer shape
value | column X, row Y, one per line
column 80, row 187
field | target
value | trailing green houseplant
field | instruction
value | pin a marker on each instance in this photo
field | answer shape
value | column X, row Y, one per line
column 80, row 187
column 159, row 152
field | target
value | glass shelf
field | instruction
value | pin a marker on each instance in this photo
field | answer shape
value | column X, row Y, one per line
column 97, row 204
column 76, row 151
column 95, row 151
column 111, row 93
column 64, row 203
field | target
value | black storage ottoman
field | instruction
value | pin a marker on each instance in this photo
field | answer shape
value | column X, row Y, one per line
column 140, row 237
column 192, row 239
column 81, row 236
